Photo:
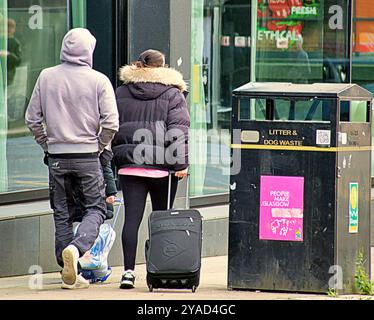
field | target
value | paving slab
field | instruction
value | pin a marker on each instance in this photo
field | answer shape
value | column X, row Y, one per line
column 213, row 286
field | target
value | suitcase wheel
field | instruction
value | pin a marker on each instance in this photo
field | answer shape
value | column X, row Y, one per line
column 193, row 289
column 150, row 288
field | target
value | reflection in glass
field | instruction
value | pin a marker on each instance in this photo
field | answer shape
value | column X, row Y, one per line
column 3, row 102
column 296, row 42
column 33, row 43
column 300, row 71
column 363, row 49
column 13, row 51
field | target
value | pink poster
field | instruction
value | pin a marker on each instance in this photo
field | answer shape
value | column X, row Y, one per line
column 281, row 208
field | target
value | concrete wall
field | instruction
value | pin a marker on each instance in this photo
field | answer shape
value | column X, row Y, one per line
column 168, row 30
column 152, row 32
column 180, row 36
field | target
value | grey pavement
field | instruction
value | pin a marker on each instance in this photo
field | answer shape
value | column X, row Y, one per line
column 213, row 286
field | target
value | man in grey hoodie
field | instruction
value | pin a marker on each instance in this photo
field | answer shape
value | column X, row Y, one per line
column 73, row 115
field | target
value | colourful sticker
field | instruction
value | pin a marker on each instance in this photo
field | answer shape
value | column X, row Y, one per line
column 281, row 208
column 353, row 207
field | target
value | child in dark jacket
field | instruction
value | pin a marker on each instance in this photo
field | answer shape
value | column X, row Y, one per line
column 110, row 183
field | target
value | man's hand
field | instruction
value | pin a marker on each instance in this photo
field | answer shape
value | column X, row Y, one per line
column 182, row 173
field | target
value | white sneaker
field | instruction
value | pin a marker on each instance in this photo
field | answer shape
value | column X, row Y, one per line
column 80, row 283
column 69, row 273
column 128, row 280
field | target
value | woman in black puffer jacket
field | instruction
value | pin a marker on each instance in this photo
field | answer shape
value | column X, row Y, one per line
column 152, row 140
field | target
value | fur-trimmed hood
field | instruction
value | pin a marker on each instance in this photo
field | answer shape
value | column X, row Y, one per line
column 165, row 76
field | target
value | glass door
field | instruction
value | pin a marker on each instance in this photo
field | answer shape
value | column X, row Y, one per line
column 220, row 63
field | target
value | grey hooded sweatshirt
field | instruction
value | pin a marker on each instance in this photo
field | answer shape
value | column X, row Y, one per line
column 73, row 107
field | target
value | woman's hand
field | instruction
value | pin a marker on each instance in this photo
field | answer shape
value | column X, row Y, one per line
column 182, row 173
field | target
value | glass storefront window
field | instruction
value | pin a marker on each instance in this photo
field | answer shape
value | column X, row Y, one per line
column 302, row 41
column 287, row 38
column 32, row 32
column 220, row 63
column 363, row 44
column 363, row 49
column 3, row 106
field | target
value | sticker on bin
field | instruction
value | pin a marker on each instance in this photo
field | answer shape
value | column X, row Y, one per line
column 342, row 137
column 281, row 208
column 323, row 138
column 250, row 136
column 353, row 207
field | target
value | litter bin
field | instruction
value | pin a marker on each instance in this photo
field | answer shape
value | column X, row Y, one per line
column 300, row 203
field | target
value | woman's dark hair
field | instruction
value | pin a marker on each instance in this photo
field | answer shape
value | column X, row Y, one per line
column 150, row 58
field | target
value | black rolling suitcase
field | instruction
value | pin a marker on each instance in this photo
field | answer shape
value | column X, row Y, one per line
column 173, row 251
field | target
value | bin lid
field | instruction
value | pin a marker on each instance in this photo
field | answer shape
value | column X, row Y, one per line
column 322, row 90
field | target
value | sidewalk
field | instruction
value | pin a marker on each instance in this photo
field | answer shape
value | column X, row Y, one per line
column 213, row 286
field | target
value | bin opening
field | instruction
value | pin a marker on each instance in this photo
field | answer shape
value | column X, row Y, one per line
column 278, row 109
column 315, row 110
column 354, row 111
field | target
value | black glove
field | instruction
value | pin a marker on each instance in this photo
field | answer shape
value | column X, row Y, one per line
column 46, row 157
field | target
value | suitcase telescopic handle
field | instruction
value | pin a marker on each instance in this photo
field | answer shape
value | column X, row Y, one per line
column 171, row 172
column 120, row 203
